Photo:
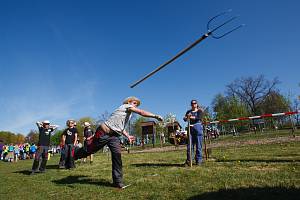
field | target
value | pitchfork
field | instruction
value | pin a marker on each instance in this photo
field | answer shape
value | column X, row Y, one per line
column 211, row 31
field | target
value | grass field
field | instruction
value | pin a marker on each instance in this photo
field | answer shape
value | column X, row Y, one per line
column 254, row 171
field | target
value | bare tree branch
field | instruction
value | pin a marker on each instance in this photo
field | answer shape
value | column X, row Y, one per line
column 252, row 91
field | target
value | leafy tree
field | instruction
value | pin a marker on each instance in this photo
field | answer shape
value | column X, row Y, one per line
column 136, row 126
column 19, row 139
column 56, row 137
column 9, row 137
column 228, row 107
column 275, row 103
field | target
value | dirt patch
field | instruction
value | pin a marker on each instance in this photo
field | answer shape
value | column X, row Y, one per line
column 263, row 168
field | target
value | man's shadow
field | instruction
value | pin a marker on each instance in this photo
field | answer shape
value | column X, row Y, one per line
column 69, row 180
column 28, row 172
column 158, row 165
column 24, row 172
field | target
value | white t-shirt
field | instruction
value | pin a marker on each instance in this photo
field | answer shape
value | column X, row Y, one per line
column 119, row 118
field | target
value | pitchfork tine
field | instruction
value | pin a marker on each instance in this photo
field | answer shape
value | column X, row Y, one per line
column 223, row 24
column 240, row 26
column 226, row 22
column 223, row 13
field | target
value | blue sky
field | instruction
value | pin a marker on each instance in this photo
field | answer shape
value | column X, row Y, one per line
column 70, row 59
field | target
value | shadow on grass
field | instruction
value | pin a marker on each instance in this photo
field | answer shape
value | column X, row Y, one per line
column 69, row 180
column 28, row 172
column 253, row 193
column 24, row 172
column 157, row 165
column 259, row 160
column 52, row 167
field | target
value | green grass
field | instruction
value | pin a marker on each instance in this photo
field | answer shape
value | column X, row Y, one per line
column 270, row 171
column 254, row 136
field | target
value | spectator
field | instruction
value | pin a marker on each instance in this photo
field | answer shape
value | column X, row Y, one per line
column 1, row 149
column 22, row 151
column 88, row 134
column 45, row 131
column 5, row 152
column 32, row 151
column 16, row 153
column 195, row 117
column 11, row 155
column 69, row 139
column 26, row 151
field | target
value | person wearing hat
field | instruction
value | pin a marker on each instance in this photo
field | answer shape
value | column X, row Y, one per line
column 108, row 134
column 88, row 134
column 45, row 131
column 69, row 139
column 195, row 115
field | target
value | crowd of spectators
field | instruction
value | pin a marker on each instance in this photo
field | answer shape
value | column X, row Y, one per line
column 15, row 152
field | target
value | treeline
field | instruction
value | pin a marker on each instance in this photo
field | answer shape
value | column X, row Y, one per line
column 252, row 96
column 9, row 137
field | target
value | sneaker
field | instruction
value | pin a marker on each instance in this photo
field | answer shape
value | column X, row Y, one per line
column 32, row 173
column 120, row 185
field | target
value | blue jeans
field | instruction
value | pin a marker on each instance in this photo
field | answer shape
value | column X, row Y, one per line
column 197, row 137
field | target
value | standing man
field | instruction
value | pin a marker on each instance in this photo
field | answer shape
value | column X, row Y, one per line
column 88, row 134
column 195, row 116
column 45, row 131
column 108, row 133
column 69, row 139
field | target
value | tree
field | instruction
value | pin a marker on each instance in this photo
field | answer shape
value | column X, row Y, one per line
column 228, row 107
column 56, row 137
column 8, row 137
column 136, row 126
column 32, row 137
column 275, row 103
column 252, row 91
column 19, row 139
